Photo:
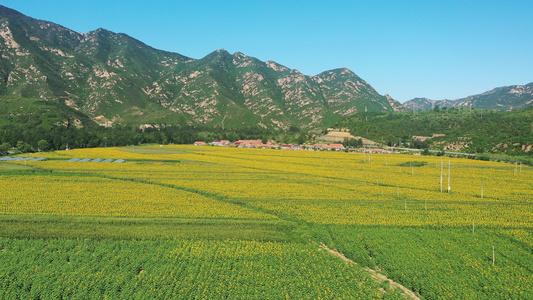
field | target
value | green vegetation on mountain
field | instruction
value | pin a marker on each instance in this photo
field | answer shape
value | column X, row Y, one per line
column 152, row 96
column 116, row 79
column 466, row 130
column 502, row 98
column 29, row 125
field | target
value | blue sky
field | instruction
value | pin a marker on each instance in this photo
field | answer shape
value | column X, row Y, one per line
column 435, row 49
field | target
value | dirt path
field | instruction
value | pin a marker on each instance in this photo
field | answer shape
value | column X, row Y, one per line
column 378, row 277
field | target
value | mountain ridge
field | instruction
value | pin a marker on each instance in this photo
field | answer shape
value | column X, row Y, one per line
column 501, row 98
column 115, row 78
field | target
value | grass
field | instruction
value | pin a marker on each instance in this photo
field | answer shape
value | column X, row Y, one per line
column 413, row 164
column 19, row 169
column 8, row 167
column 117, row 228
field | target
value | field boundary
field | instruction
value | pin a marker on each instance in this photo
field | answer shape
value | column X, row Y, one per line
column 375, row 275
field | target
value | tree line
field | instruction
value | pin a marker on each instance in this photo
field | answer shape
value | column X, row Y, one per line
column 20, row 139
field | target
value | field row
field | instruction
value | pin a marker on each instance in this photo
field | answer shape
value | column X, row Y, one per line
column 83, row 269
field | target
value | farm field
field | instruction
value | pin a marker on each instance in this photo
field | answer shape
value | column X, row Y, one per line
column 209, row 222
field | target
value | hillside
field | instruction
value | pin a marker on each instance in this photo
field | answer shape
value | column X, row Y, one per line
column 466, row 130
column 31, row 113
column 502, row 98
column 114, row 78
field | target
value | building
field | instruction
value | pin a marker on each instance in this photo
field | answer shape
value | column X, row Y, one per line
column 420, row 138
column 320, row 146
column 249, row 143
column 223, row 143
column 336, row 147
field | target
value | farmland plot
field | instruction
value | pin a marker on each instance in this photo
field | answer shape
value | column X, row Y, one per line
column 444, row 228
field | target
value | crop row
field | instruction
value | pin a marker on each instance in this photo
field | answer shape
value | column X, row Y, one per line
column 95, row 196
column 82, row 269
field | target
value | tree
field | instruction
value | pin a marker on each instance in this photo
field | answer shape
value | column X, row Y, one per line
column 351, row 142
column 23, row 147
column 301, row 138
column 43, row 145
column 420, row 144
column 4, row 148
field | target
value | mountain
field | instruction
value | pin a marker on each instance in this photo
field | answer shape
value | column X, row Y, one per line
column 114, row 78
column 502, row 98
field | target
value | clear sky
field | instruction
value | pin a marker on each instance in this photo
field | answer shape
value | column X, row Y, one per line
column 435, row 49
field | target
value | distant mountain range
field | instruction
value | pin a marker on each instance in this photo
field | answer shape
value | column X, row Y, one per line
column 114, row 78
column 503, row 98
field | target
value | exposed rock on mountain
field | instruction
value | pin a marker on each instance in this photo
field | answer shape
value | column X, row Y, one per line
column 502, row 98
column 115, row 78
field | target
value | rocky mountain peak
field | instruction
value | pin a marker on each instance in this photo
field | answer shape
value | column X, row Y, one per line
column 500, row 98
column 114, row 77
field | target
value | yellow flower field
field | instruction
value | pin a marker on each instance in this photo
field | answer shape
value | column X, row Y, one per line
column 447, row 228
column 94, row 196
column 321, row 187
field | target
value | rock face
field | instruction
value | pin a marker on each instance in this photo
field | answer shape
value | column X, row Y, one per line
column 117, row 78
column 502, row 98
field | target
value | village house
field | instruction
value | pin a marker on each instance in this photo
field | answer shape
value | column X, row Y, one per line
column 249, row 143
column 286, row 146
column 199, row 143
column 223, row 143
column 374, row 150
column 320, row 146
column 420, row 138
column 336, row 147
column 269, row 146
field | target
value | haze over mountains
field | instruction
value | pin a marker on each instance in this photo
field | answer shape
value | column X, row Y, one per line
column 114, row 78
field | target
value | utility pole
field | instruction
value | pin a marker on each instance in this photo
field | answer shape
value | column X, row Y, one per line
column 441, row 163
column 449, row 175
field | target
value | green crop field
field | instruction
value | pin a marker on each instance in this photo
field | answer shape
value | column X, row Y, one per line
column 190, row 222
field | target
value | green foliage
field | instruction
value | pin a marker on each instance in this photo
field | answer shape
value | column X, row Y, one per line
column 99, row 74
column 413, row 164
column 420, row 144
column 431, row 250
column 482, row 131
column 180, row 269
column 502, row 98
column 23, row 147
column 33, row 124
column 43, row 145
column 4, row 148
column 351, row 142
column 113, row 228
column 440, row 263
